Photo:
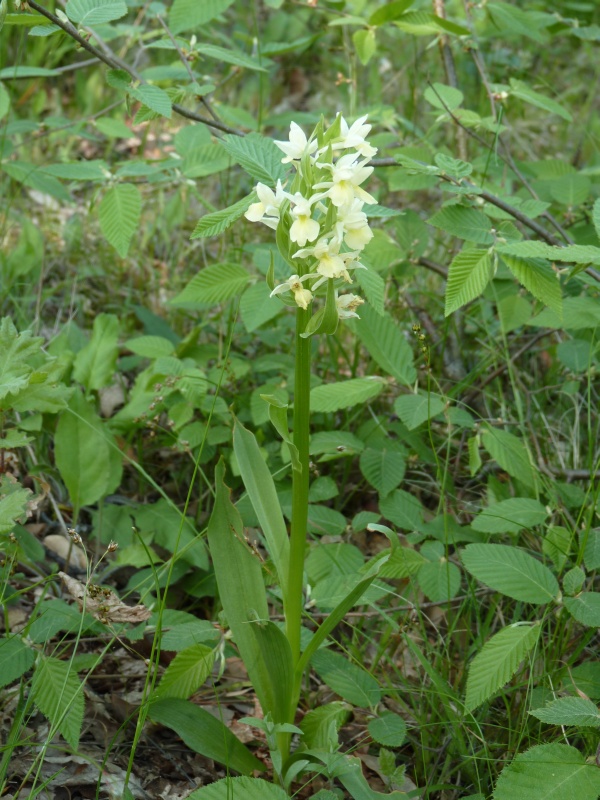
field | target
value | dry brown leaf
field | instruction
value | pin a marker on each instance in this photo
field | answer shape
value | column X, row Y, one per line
column 103, row 603
column 65, row 549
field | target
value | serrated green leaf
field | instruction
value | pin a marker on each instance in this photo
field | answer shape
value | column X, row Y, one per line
column 373, row 286
column 415, row 409
column 205, row 734
column 13, row 507
column 95, row 364
column 219, row 221
column 119, row 214
column 468, row 275
column 150, row 346
column 344, row 394
column 95, row 12
column 15, row 659
column 510, row 453
column 366, row 44
column 521, row 90
column 187, row 14
column 258, row 155
column 58, row 693
column 239, row 789
column 591, row 548
column 572, row 253
column 573, row 580
column 549, row 772
column 79, row 170
column 510, row 516
column 389, row 11
column 569, row 711
column 423, row 23
column 386, row 344
column 333, row 559
column 538, row 278
column 214, row 284
column 388, row 729
column 186, row 673
column 347, row 679
column 444, row 98
column 465, row 223
column 403, row 509
column 383, row 469
column 498, row 661
column 511, row 571
column 155, row 98
column 585, row 608
column 227, row 56
column 439, row 580
column 257, row 306
column 320, row 725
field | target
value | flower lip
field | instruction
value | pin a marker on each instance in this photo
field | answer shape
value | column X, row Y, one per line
column 297, row 145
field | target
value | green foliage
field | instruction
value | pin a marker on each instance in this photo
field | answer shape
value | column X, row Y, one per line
column 58, row 694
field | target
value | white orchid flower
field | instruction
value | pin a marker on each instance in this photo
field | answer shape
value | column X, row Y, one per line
column 354, row 137
column 304, row 229
column 297, row 145
column 353, row 226
column 347, row 174
column 267, row 209
column 293, row 284
column 347, row 305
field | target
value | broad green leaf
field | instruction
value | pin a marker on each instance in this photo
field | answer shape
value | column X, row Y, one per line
column 15, row 349
column 58, row 694
column 333, row 559
column 353, row 683
column 510, row 453
column 509, row 19
column 596, row 217
column 263, row 496
column 403, row 509
column 579, row 313
column 214, row 284
column 389, row 11
column 570, row 190
column 585, row 608
column 4, row 101
column 365, row 44
column 524, row 92
column 227, row 56
column 538, row 278
column 388, row 729
column 373, row 286
column 415, row 409
column 386, row 345
column 154, row 98
column 331, row 397
column 498, row 661
column 79, row 170
column 95, row 12
column 277, row 656
column 383, row 469
column 119, row 214
column 241, row 586
column 569, row 711
column 510, row 516
column 204, row 733
column 320, row 725
column 439, row 580
column 257, row 307
column 34, row 177
column 239, row 789
column 468, row 275
column 444, row 98
column 15, row 659
column 453, row 166
column 185, row 635
column 511, row 571
column 590, row 540
column 27, row 72
column 150, row 346
column 186, row 673
column 95, row 364
column 422, row 23
column 584, row 678
column 86, row 455
column 258, row 155
column 219, row 221
column 14, row 501
column 549, row 772
column 572, row 253
column 187, row 14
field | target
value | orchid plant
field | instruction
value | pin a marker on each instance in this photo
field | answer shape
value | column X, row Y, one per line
column 321, row 228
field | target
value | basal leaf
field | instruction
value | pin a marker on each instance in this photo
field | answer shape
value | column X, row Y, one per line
column 345, row 394
column 205, row 734
column 468, row 275
column 58, row 694
column 217, row 222
column 549, row 772
column 511, row 571
column 320, row 725
column 214, row 284
column 119, row 213
column 510, row 453
column 347, row 679
column 498, row 661
column 569, row 711
column 388, row 729
column 258, row 155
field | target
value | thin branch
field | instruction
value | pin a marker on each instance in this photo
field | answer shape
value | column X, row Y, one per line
column 114, row 62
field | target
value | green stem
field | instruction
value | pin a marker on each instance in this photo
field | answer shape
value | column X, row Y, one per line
column 299, row 489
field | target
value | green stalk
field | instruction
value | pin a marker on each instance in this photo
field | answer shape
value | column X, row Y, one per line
column 299, row 488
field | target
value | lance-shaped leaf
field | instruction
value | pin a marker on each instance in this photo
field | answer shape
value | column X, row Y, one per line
column 217, row 222
column 469, row 274
column 119, row 213
column 279, row 420
column 277, row 655
column 241, row 586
